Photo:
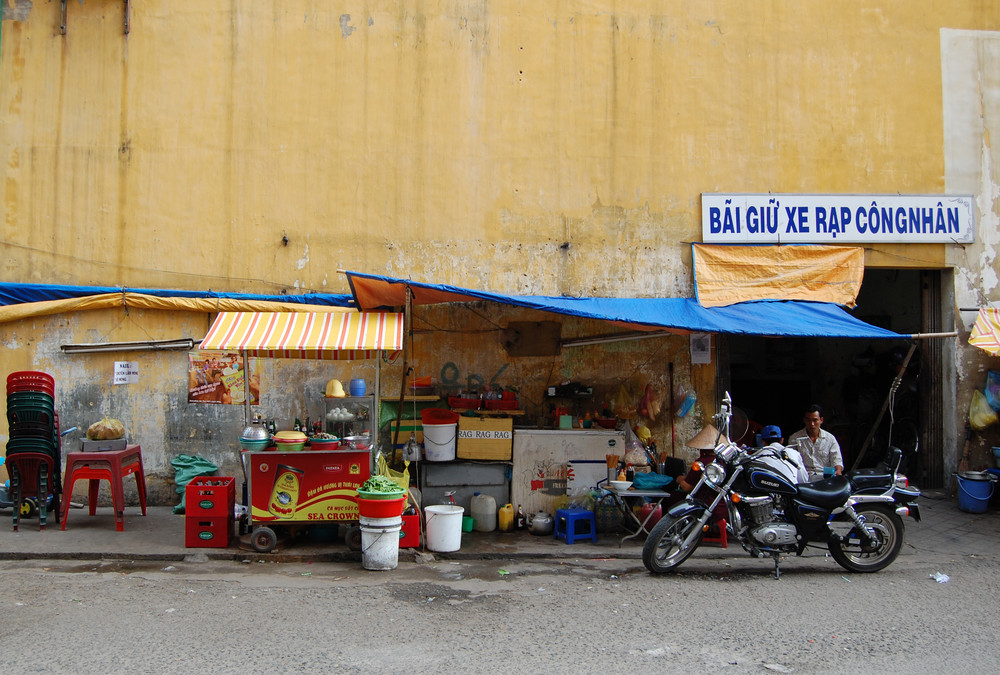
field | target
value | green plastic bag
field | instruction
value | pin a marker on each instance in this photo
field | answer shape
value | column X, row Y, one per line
column 187, row 468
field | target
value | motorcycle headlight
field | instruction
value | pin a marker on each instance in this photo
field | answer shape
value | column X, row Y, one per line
column 715, row 474
column 727, row 452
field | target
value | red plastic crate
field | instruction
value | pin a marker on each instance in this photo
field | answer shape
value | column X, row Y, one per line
column 210, row 497
column 500, row 404
column 207, row 532
column 464, row 403
column 410, row 532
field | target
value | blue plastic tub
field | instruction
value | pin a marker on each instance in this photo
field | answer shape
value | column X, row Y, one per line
column 974, row 494
column 996, row 493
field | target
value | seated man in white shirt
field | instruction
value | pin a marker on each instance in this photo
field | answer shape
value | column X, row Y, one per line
column 785, row 461
column 819, row 447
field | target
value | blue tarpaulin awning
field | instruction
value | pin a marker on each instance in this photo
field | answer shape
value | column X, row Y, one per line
column 777, row 318
column 16, row 293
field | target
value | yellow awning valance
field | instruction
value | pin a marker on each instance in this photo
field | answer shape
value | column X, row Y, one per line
column 307, row 335
column 726, row 275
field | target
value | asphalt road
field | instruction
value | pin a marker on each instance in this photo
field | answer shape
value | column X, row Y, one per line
column 499, row 616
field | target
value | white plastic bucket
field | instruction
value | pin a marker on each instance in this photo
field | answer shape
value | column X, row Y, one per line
column 439, row 442
column 444, row 526
column 380, row 543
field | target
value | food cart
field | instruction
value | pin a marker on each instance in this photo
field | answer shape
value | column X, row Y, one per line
column 285, row 487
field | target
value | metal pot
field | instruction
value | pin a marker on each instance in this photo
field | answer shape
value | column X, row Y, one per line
column 357, row 442
column 541, row 524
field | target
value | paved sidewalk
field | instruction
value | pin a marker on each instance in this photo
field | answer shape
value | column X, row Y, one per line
column 944, row 533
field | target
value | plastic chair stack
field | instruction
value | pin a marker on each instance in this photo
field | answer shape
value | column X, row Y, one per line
column 33, row 451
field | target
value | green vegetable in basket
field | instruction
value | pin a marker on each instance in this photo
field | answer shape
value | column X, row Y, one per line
column 382, row 484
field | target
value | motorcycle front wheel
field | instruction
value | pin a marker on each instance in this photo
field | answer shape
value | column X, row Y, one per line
column 854, row 555
column 662, row 551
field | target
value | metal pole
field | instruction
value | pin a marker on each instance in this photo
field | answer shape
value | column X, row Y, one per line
column 885, row 406
column 246, row 389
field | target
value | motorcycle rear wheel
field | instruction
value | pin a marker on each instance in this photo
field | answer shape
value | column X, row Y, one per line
column 662, row 550
column 854, row 556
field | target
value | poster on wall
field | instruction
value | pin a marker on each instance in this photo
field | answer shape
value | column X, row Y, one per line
column 217, row 377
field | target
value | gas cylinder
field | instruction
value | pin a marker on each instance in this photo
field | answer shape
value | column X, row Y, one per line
column 506, row 518
column 654, row 512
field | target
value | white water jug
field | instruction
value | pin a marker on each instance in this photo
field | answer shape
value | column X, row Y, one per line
column 484, row 512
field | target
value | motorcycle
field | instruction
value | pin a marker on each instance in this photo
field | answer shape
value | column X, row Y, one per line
column 860, row 522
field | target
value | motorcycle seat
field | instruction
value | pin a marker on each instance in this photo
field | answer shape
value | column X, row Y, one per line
column 870, row 478
column 828, row 493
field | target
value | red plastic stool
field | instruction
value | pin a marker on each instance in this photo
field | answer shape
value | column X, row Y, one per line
column 723, row 539
column 112, row 466
column 95, row 475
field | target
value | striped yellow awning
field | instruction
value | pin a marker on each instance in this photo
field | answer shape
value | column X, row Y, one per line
column 307, row 335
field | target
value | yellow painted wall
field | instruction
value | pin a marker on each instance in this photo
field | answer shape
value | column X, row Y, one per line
column 527, row 147
column 387, row 138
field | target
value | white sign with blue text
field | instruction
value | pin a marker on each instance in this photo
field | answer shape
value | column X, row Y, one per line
column 836, row 219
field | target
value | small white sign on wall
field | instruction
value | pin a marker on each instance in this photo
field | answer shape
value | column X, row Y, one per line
column 701, row 348
column 126, row 372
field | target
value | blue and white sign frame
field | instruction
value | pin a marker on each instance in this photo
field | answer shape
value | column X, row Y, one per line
column 743, row 218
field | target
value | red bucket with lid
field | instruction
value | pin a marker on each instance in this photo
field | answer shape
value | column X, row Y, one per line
column 438, row 416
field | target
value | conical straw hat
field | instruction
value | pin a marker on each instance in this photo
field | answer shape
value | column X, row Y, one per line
column 705, row 439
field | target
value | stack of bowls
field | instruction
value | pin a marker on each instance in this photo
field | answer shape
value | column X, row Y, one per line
column 255, row 443
column 255, row 437
column 290, row 441
column 324, row 443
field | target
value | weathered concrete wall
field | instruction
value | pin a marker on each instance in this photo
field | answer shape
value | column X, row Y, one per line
column 970, row 67
column 463, row 350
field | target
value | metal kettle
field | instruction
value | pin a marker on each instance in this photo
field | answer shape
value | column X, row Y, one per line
column 541, row 523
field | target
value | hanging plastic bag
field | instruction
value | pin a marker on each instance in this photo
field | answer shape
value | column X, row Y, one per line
column 992, row 390
column 623, row 405
column 635, row 451
column 402, row 479
column 981, row 415
column 187, row 468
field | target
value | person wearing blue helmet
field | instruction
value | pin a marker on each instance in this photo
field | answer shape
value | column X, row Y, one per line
column 786, row 461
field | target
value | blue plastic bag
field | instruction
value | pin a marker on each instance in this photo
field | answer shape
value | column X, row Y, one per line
column 992, row 390
column 651, row 481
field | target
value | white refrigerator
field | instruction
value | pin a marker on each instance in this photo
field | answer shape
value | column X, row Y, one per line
column 541, row 462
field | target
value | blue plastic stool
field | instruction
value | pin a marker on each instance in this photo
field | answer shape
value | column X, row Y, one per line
column 566, row 525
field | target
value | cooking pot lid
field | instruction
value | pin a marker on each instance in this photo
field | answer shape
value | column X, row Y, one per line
column 976, row 475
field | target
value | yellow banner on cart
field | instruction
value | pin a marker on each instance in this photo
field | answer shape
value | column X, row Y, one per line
column 332, row 505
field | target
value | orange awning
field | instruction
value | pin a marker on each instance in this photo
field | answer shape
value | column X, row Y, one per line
column 307, row 335
column 986, row 330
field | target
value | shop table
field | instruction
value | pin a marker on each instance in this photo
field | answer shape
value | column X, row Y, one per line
column 655, row 496
column 109, row 465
